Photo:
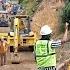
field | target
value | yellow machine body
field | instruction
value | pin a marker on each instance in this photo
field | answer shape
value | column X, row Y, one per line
column 19, row 39
column 4, row 35
column 4, row 30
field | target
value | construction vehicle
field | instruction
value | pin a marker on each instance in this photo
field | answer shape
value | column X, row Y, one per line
column 4, row 26
column 21, row 35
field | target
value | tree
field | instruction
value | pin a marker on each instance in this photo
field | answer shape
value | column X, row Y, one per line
column 66, row 14
column 20, row 1
column 30, row 6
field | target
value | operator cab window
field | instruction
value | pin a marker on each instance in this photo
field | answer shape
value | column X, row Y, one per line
column 3, row 19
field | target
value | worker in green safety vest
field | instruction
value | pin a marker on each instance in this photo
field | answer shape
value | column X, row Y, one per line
column 45, row 48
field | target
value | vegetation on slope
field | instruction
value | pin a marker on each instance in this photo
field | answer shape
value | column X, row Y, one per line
column 65, row 15
column 30, row 5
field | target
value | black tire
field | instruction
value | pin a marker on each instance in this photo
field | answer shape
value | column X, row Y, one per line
column 31, row 48
column 11, row 48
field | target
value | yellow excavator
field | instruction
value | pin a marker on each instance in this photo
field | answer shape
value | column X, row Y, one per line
column 18, row 34
column 4, row 24
column 21, row 36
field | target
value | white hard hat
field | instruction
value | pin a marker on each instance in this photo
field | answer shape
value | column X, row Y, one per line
column 45, row 30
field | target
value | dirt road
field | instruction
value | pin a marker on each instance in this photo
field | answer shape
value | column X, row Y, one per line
column 27, row 62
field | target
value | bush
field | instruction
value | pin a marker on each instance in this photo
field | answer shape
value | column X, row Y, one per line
column 30, row 5
column 65, row 14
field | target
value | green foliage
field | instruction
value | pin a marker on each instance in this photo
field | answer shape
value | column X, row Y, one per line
column 30, row 5
column 66, row 13
column 20, row 1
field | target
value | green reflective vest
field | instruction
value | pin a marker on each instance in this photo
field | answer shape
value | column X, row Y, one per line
column 45, row 54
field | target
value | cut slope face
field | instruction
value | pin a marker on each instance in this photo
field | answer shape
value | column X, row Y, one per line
column 47, row 14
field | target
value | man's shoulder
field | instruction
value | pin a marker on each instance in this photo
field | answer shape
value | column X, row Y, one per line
column 42, row 41
column 52, row 42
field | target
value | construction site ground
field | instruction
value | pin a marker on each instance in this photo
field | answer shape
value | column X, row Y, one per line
column 27, row 62
column 46, row 12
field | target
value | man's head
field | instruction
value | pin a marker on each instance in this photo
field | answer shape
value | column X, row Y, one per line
column 46, row 32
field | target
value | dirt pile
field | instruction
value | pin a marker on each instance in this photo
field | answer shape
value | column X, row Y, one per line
column 47, row 13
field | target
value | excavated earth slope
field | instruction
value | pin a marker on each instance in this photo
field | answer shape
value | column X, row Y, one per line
column 47, row 13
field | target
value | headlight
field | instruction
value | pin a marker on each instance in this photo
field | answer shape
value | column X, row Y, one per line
column 11, row 33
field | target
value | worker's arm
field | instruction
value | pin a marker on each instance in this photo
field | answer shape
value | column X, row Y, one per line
column 57, row 43
column 65, row 37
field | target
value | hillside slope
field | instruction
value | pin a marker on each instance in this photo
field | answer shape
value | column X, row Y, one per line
column 47, row 13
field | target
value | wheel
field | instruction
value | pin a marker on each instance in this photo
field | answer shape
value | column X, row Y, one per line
column 11, row 48
column 31, row 48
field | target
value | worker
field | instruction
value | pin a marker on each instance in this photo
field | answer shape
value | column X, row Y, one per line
column 45, row 49
column 5, row 44
column 3, row 51
column 1, row 45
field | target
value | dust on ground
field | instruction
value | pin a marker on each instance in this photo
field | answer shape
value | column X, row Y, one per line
column 27, row 62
